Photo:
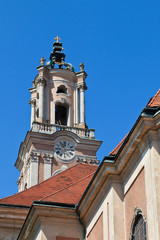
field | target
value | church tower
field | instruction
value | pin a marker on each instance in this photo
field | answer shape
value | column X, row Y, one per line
column 59, row 137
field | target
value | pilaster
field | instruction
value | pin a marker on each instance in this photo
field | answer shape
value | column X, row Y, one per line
column 33, row 104
column 74, row 106
column 41, row 84
column 53, row 113
column 82, row 105
column 77, row 106
column 47, row 166
column 69, row 116
column 34, row 162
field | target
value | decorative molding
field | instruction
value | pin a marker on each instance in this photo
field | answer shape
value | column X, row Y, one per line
column 82, row 87
column 82, row 160
column 34, row 157
column 47, row 158
column 81, row 73
column 87, row 159
column 94, row 158
column 32, row 102
column 93, row 161
column 138, row 211
column 62, row 81
column 64, row 101
column 19, row 182
column 41, row 81
column 26, row 165
column 66, row 72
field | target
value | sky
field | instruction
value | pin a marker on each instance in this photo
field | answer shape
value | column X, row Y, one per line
column 119, row 44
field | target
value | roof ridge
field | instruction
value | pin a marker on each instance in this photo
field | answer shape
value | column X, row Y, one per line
column 67, row 186
column 153, row 98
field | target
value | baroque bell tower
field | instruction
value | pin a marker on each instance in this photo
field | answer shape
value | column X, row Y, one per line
column 59, row 137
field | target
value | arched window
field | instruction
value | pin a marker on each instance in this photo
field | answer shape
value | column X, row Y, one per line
column 62, row 89
column 61, row 114
column 63, row 168
column 138, row 227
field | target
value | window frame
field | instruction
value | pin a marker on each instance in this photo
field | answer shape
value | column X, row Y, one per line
column 137, row 212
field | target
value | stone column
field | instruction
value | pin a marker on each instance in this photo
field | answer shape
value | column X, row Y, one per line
column 47, row 167
column 46, row 103
column 77, row 106
column 74, row 106
column 82, row 105
column 69, row 116
column 53, row 113
column 32, row 102
column 41, row 98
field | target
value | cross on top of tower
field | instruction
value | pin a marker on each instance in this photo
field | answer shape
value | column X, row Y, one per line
column 57, row 38
column 57, row 57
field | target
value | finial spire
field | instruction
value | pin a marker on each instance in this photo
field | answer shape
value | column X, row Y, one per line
column 81, row 66
column 57, row 56
column 42, row 61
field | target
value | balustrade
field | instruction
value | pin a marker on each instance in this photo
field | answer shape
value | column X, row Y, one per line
column 51, row 128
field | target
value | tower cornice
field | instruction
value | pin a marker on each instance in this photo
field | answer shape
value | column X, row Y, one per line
column 82, row 74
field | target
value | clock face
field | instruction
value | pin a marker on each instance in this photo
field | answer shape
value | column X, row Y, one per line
column 64, row 150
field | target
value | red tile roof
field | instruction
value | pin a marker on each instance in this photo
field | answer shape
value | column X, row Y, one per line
column 154, row 101
column 116, row 149
column 65, row 187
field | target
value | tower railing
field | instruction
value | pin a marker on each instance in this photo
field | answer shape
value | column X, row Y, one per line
column 52, row 128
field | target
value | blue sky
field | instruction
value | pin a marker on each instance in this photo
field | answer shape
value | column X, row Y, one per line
column 118, row 42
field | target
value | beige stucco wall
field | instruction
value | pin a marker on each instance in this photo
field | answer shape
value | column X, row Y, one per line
column 97, row 230
column 152, row 180
column 143, row 180
column 136, row 186
column 109, row 205
column 135, row 197
column 53, row 227
column 11, row 221
column 41, row 170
